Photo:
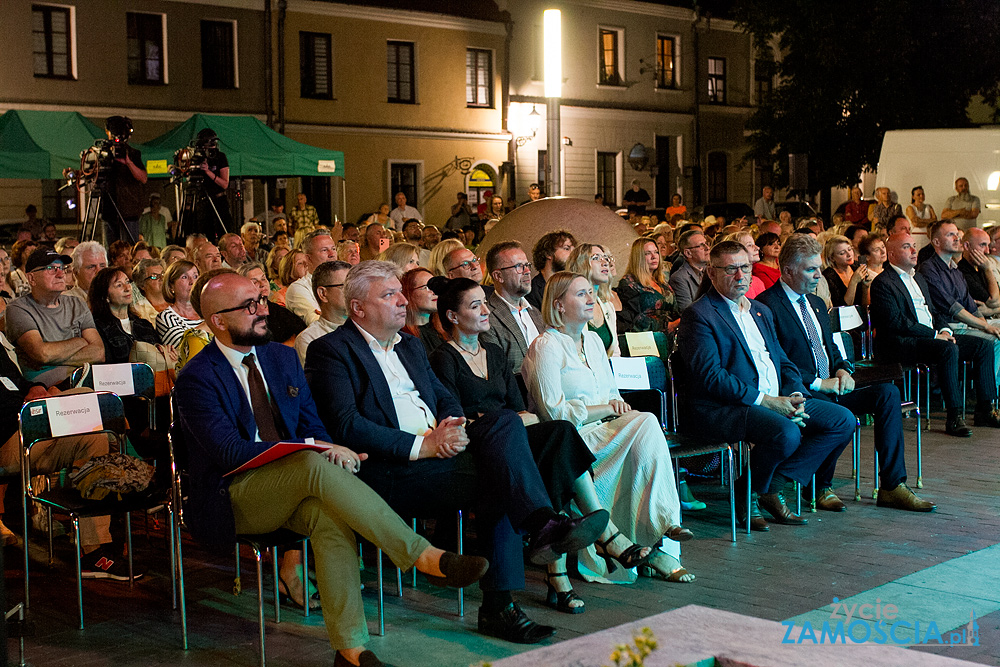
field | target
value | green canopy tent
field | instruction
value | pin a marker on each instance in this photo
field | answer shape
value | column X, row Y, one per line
column 252, row 148
column 40, row 144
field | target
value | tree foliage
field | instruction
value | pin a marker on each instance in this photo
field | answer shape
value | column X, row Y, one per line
column 849, row 70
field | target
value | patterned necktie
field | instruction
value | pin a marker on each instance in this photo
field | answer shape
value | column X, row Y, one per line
column 262, row 412
column 822, row 363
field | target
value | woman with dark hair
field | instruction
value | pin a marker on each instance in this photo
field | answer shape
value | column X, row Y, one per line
column 478, row 374
column 769, row 246
column 421, row 308
column 116, row 321
column 18, row 258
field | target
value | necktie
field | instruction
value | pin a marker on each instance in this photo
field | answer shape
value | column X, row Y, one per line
column 262, row 412
column 822, row 363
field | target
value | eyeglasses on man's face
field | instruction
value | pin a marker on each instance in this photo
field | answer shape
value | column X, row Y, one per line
column 733, row 269
column 50, row 269
column 520, row 267
column 251, row 306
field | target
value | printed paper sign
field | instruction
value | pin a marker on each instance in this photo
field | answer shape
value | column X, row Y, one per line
column 641, row 344
column 78, row 413
column 630, row 372
column 326, row 166
column 116, row 378
column 157, row 167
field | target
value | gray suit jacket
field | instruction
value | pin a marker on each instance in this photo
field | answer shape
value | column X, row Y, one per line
column 685, row 282
column 506, row 334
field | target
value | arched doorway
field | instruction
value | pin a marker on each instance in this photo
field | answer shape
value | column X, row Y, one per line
column 480, row 184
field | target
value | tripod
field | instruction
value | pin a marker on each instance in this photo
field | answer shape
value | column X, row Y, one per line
column 189, row 196
column 95, row 197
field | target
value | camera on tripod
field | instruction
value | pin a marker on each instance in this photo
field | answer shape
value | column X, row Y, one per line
column 97, row 161
column 189, row 160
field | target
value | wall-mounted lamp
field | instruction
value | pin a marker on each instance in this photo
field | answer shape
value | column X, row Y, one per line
column 534, row 122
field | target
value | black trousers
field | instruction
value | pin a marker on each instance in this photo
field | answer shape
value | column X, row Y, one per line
column 944, row 356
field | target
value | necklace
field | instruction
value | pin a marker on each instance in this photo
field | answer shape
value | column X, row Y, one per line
column 477, row 368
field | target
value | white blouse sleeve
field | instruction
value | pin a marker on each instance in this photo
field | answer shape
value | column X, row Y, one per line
column 598, row 361
column 543, row 374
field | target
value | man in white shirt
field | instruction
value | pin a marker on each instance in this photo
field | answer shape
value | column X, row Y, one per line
column 88, row 259
column 740, row 385
column 402, row 213
column 514, row 323
column 328, row 288
column 963, row 208
column 300, row 297
column 376, row 390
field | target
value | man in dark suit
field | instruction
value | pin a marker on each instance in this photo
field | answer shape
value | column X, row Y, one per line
column 739, row 385
column 378, row 392
column 239, row 397
column 804, row 331
column 907, row 331
column 514, row 322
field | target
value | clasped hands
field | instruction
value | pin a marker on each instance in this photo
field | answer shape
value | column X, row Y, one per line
column 446, row 440
column 792, row 407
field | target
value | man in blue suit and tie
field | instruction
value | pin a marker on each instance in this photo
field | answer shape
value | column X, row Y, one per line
column 804, row 331
column 239, row 397
column 737, row 384
column 376, row 390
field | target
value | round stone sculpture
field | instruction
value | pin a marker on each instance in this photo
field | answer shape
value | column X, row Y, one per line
column 587, row 221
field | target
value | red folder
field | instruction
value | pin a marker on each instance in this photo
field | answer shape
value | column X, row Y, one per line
column 274, row 453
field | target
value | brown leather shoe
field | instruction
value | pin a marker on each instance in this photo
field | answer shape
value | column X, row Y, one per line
column 827, row 500
column 774, row 503
column 903, row 498
column 757, row 520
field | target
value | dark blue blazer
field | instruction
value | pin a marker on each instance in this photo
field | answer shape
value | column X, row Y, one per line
column 217, row 429
column 792, row 334
column 895, row 317
column 353, row 395
column 716, row 374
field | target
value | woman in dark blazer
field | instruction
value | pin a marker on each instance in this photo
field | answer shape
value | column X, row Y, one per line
column 117, row 322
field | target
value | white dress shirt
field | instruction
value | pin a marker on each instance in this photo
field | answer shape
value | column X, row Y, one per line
column 299, row 299
column 412, row 413
column 767, row 375
column 523, row 319
column 794, row 296
column 919, row 302
column 317, row 329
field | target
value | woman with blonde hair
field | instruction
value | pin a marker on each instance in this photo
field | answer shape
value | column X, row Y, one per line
column 404, row 255
column 439, row 252
column 273, row 261
column 293, row 266
column 847, row 286
column 592, row 262
column 647, row 299
column 568, row 376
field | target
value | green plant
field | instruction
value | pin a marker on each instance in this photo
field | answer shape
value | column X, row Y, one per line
column 626, row 655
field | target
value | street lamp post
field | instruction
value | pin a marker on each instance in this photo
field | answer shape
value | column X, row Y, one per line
column 552, row 26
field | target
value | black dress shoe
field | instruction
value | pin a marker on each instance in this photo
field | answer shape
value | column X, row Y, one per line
column 564, row 535
column 774, row 503
column 757, row 521
column 513, row 625
column 367, row 659
column 958, row 428
column 459, row 571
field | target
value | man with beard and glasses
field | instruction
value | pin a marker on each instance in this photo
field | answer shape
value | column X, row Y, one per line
column 514, row 323
column 241, row 396
column 549, row 256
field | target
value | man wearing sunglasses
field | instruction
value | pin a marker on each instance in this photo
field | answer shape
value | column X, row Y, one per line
column 53, row 334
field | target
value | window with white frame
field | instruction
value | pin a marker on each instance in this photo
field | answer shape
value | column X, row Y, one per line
column 611, row 57
column 479, row 78
column 147, row 56
column 53, row 47
column 666, row 61
column 717, row 80
column 400, row 72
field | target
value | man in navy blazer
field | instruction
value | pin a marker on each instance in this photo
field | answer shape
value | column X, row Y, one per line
column 803, row 328
column 737, row 384
column 239, row 389
column 376, row 390
column 908, row 330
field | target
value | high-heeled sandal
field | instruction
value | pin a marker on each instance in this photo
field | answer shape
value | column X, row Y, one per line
column 629, row 558
column 560, row 600
column 284, row 597
column 676, row 576
column 678, row 534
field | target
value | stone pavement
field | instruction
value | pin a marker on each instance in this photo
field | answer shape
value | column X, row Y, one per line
column 784, row 574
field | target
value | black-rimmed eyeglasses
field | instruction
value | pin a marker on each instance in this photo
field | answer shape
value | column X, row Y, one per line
column 522, row 267
column 250, row 306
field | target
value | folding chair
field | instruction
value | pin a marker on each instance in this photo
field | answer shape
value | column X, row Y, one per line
column 47, row 418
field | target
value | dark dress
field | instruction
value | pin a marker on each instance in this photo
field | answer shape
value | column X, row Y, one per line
column 118, row 343
column 838, row 290
column 644, row 308
column 559, row 452
column 283, row 323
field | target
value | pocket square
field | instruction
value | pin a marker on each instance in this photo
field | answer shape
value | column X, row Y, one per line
column 293, row 391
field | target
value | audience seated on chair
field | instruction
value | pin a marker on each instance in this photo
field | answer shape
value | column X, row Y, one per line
column 804, row 333
column 115, row 318
column 283, row 324
column 648, row 301
column 514, row 323
column 226, row 418
column 549, row 255
column 376, row 390
column 299, row 297
column 740, row 386
column 328, row 288
column 594, row 263
column 88, row 258
column 686, row 279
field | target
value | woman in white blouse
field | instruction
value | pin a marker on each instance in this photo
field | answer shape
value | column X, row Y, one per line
column 569, row 377
column 173, row 321
column 593, row 262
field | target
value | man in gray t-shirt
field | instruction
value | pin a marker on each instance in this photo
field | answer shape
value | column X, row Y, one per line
column 963, row 209
column 52, row 335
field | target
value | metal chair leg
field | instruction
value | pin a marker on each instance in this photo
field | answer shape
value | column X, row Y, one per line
column 79, row 565
column 176, row 523
column 258, row 558
column 413, row 570
column 305, row 577
column 732, row 492
column 875, row 477
column 277, row 595
column 381, row 602
column 920, row 456
column 128, row 545
column 857, row 460
column 461, row 592
column 812, row 503
column 749, row 486
column 798, row 498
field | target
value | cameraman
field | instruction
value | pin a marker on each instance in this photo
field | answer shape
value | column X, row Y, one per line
column 125, row 198
column 215, row 166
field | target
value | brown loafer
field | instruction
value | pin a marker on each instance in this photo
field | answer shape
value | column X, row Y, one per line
column 828, row 501
column 774, row 503
column 903, row 498
column 757, row 520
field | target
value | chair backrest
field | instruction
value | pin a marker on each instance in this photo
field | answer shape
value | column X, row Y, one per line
column 659, row 338
column 143, row 380
column 844, row 342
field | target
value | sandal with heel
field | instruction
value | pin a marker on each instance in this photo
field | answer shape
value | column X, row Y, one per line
column 629, row 558
column 561, row 600
column 678, row 575
column 284, row 597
